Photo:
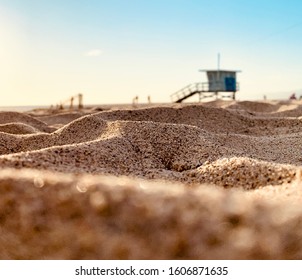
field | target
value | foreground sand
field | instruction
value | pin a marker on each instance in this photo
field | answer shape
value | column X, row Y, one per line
column 221, row 180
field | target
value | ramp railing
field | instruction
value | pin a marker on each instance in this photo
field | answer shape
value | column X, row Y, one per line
column 188, row 91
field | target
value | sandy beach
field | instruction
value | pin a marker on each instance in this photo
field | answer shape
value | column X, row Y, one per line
column 215, row 180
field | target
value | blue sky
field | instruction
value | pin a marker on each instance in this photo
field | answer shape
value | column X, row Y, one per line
column 114, row 50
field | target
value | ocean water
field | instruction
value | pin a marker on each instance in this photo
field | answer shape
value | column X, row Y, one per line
column 20, row 108
column 106, row 106
column 29, row 108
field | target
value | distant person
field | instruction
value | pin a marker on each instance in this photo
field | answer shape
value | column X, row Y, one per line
column 264, row 97
column 71, row 102
column 135, row 100
column 293, row 97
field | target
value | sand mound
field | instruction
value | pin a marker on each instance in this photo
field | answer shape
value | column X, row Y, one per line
column 200, row 116
column 215, row 120
column 215, row 181
column 76, row 132
column 149, row 149
column 60, row 119
column 15, row 117
column 243, row 172
column 104, row 146
column 279, row 109
column 294, row 112
column 54, row 216
column 252, row 106
column 18, row 128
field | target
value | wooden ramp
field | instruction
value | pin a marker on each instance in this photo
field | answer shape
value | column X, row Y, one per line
column 189, row 91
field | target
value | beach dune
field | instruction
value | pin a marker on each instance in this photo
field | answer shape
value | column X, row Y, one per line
column 217, row 180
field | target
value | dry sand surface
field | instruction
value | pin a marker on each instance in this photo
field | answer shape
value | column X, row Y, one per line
column 218, row 180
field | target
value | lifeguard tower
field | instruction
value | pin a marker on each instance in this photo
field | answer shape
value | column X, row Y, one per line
column 221, row 84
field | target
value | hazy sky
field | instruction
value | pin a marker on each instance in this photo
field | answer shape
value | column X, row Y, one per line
column 113, row 50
